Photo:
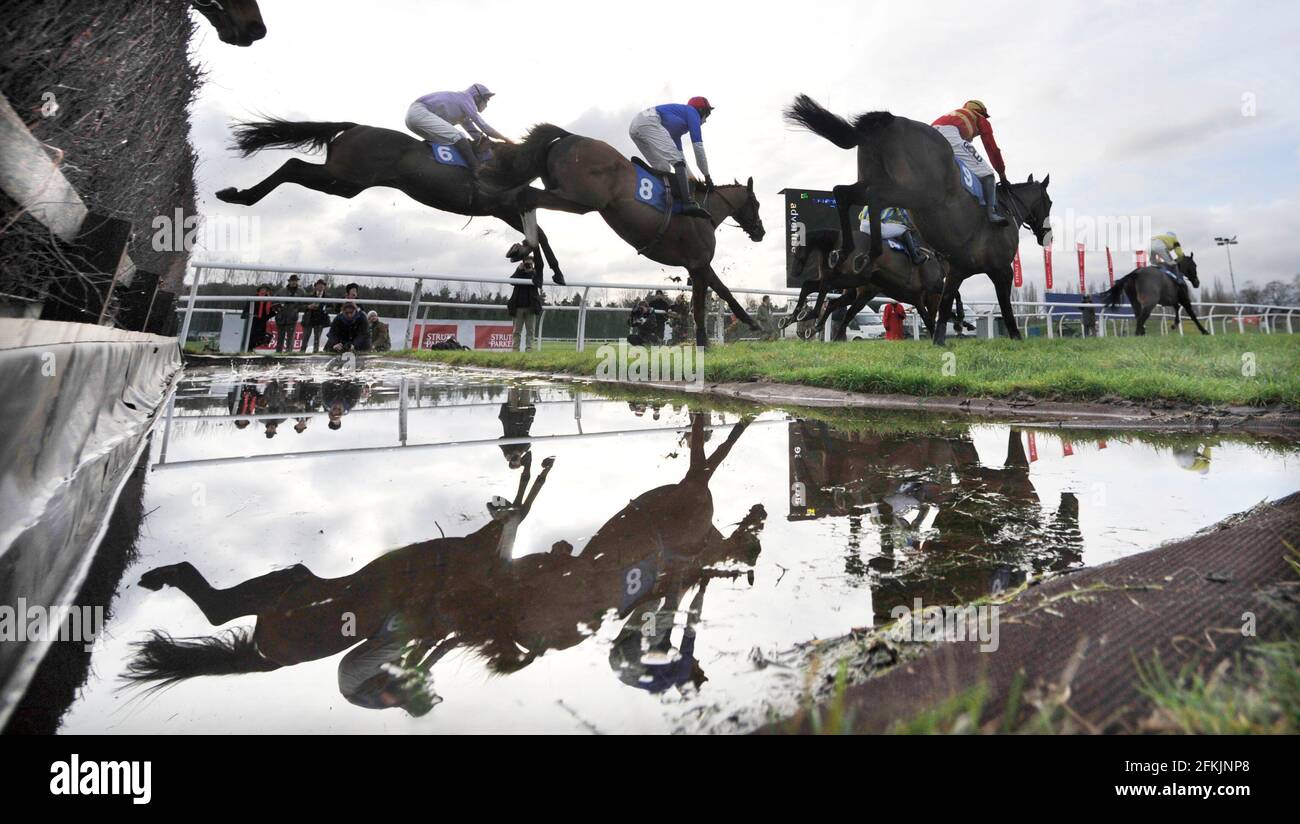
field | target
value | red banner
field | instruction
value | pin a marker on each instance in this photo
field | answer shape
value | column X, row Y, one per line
column 1015, row 266
column 1047, row 264
column 1110, row 266
column 273, row 332
column 425, row 335
column 1082, row 287
column 1033, row 448
column 1141, row 257
column 494, row 337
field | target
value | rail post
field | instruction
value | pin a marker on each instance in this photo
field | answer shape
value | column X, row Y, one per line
column 189, row 306
column 413, row 311
column 582, row 319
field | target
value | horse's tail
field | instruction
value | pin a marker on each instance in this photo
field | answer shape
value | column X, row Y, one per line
column 810, row 114
column 521, row 163
column 253, row 136
column 165, row 660
column 1113, row 294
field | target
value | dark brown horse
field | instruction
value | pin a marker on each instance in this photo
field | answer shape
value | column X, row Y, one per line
column 584, row 175
column 892, row 274
column 910, row 165
column 1151, row 286
column 359, row 157
column 406, row 609
column 238, row 22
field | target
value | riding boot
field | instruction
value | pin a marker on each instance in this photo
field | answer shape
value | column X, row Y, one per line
column 990, row 185
column 467, row 151
column 689, row 206
column 913, row 248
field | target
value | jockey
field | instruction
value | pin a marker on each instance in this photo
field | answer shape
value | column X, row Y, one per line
column 1166, row 250
column 435, row 117
column 960, row 127
column 657, row 133
column 895, row 224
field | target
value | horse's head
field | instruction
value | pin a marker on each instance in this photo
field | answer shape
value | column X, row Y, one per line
column 238, row 22
column 1187, row 267
column 1033, row 208
column 742, row 205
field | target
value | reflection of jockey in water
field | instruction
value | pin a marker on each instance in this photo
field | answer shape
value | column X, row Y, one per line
column 1193, row 459
column 435, row 117
column 516, row 416
column 895, row 224
column 643, row 654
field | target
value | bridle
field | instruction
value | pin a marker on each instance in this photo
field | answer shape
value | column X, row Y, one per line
column 1023, row 215
column 730, row 205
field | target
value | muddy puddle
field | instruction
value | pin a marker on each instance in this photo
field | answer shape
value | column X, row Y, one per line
column 422, row 550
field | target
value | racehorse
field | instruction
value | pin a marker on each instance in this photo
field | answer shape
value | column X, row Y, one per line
column 584, row 175
column 1152, row 286
column 238, row 22
column 413, row 605
column 359, row 157
column 907, row 164
column 892, row 274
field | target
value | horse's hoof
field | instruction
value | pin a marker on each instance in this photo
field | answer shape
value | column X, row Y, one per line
column 548, row 462
column 557, row 279
column 833, row 259
column 159, row 577
column 229, row 195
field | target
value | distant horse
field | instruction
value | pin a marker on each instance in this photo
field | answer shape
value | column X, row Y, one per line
column 892, row 274
column 359, row 157
column 584, row 175
column 1151, row 286
column 908, row 164
column 411, row 606
column 238, row 22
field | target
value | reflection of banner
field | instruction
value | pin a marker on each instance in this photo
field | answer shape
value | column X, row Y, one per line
column 1047, row 264
column 1082, row 288
column 1141, row 256
column 494, row 337
column 1101, row 444
column 272, row 332
column 1067, row 448
column 1015, row 267
column 425, row 335
column 1033, row 448
column 1110, row 266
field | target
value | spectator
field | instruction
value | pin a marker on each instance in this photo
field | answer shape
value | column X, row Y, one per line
column 1089, row 318
column 350, row 295
column 525, row 305
column 379, row 338
column 286, row 316
column 349, row 331
column 661, row 305
column 681, row 314
column 766, row 324
column 262, row 312
column 892, row 318
column 316, row 319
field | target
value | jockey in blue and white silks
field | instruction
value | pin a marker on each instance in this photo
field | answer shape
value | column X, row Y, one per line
column 657, row 133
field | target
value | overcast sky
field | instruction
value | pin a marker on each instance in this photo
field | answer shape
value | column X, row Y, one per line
column 1184, row 113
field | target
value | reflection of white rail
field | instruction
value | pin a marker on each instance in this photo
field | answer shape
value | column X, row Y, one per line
column 534, row 439
column 315, row 413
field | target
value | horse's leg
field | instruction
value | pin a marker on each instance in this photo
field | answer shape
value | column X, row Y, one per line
column 798, row 304
column 860, row 297
column 1191, row 313
column 311, row 175
column 718, row 286
column 699, row 291
column 951, row 285
column 221, row 605
column 845, row 196
column 558, row 276
column 547, row 463
column 720, row 454
column 542, row 247
column 1142, row 312
column 1002, row 280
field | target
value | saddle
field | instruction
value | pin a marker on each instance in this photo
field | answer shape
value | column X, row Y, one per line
column 669, row 180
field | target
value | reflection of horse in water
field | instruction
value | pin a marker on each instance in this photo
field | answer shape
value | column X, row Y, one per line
column 947, row 524
column 414, row 604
